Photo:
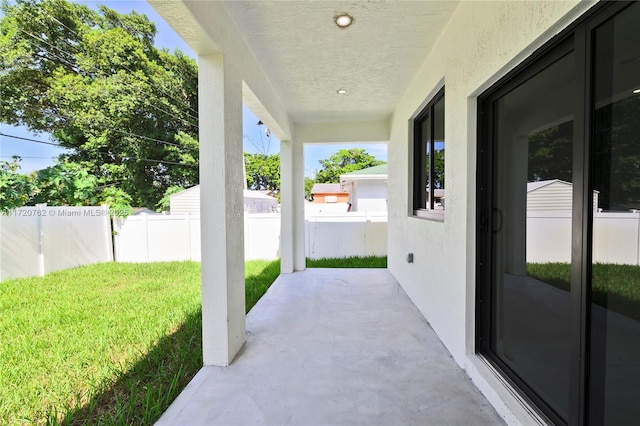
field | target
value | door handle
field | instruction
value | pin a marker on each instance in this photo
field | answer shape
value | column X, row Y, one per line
column 498, row 215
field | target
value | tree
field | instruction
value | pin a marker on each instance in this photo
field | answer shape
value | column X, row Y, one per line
column 263, row 171
column 308, row 186
column 345, row 161
column 126, row 109
column 14, row 187
column 165, row 202
column 63, row 184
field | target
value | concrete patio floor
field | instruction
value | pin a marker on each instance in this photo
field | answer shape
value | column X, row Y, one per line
column 335, row 347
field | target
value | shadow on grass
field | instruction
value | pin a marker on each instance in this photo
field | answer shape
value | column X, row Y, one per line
column 141, row 394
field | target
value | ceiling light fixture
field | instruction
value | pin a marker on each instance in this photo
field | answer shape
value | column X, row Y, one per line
column 637, row 91
column 343, row 20
column 341, row 91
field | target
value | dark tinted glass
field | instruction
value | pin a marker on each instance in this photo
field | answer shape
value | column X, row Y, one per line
column 532, row 232
column 615, row 279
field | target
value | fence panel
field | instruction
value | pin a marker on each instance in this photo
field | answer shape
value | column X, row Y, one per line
column 177, row 237
column 345, row 235
column 616, row 237
column 150, row 238
column 262, row 236
column 38, row 240
column 19, row 245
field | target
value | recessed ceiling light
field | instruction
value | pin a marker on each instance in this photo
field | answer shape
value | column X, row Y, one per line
column 343, row 20
column 341, row 91
column 636, row 91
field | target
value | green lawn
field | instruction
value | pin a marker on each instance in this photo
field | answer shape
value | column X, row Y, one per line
column 349, row 262
column 615, row 286
column 112, row 343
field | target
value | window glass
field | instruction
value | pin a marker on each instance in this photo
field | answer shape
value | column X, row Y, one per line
column 428, row 178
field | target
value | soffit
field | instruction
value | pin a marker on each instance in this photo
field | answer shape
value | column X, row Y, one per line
column 308, row 58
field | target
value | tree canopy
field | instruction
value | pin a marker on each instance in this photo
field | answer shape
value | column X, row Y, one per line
column 263, row 171
column 63, row 184
column 94, row 80
column 345, row 161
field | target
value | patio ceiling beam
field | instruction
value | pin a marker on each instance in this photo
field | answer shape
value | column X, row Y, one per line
column 338, row 132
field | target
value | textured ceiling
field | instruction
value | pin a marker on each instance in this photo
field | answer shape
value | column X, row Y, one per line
column 308, row 58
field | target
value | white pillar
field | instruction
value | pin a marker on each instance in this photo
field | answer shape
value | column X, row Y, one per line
column 286, row 207
column 299, row 259
column 221, row 210
column 292, row 241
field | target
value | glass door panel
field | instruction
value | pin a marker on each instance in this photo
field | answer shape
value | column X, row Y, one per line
column 614, row 373
column 532, row 219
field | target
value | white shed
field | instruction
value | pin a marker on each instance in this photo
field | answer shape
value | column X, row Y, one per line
column 188, row 201
column 367, row 188
column 554, row 194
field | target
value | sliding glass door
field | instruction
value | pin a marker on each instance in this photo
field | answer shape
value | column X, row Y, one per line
column 559, row 223
column 614, row 397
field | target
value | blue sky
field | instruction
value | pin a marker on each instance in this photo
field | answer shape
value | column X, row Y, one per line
column 36, row 156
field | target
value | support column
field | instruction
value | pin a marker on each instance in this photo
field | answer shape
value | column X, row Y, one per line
column 221, row 210
column 292, row 238
column 286, row 207
column 299, row 243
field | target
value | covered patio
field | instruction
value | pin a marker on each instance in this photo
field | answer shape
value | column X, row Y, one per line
column 354, row 346
column 335, row 347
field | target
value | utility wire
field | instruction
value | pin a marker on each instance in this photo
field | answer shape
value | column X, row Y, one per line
column 81, row 72
column 69, row 118
column 31, row 140
column 124, row 157
column 125, row 67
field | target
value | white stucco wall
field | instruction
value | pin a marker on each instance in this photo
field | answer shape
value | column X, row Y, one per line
column 480, row 44
column 369, row 195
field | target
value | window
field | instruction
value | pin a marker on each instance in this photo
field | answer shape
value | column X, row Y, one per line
column 428, row 160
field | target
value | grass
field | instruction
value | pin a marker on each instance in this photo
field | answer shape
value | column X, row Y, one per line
column 349, row 262
column 614, row 286
column 112, row 343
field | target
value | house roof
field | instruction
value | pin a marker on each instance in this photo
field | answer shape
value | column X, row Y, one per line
column 375, row 171
column 248, row 193
column 326, row 188
column 532, row 186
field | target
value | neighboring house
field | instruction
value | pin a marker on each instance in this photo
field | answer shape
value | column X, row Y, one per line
column 470, row 90
column 367, row 188
column 188, row 201
column 329, row 193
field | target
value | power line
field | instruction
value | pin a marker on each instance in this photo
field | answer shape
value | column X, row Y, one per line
column 125, row 67
column 76, row 69
column 27, row 157
column 160, row 141
column 127, row 157
column 31, row 140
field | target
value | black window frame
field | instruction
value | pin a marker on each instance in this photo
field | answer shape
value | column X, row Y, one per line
column 423, row 206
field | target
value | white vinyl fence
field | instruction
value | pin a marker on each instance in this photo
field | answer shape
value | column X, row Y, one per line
column 39, row 240
column 155, row 238
column 616, row 237
column 177, row 237
column 344, row 235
